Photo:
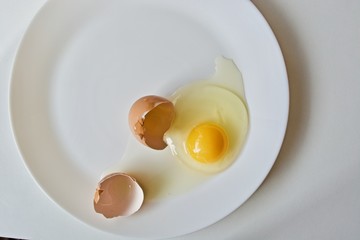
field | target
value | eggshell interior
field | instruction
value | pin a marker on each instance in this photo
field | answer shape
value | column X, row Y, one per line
column 149, row 118
column 118, row 194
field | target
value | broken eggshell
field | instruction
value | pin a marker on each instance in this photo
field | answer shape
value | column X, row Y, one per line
column 149, row 118
column 118, row 194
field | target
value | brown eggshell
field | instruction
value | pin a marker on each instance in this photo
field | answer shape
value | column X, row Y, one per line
column 118, row 194
column 149, row 118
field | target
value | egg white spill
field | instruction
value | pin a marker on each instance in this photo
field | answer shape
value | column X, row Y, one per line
column 160, row 173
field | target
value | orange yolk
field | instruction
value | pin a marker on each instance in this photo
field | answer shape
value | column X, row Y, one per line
column 207, row 143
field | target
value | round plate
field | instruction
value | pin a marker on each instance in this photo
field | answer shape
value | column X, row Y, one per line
column 80, row 66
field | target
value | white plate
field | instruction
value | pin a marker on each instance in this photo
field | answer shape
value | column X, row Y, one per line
column 82, row 63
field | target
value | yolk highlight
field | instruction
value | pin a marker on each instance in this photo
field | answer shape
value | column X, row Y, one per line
column 207, row 142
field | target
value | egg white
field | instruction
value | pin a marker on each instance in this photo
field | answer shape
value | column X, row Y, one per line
column 215, row 102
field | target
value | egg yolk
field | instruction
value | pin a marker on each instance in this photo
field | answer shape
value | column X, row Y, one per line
column 207, row 142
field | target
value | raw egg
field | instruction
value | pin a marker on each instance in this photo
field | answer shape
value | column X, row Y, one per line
column 211, row 120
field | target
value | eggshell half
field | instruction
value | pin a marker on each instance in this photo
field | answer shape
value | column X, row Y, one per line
column 149, row 118
column 118, row 194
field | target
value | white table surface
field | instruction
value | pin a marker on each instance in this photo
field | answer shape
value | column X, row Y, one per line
column 313, row 190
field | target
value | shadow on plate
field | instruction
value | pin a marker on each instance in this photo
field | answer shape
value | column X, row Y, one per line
column 297, row 70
